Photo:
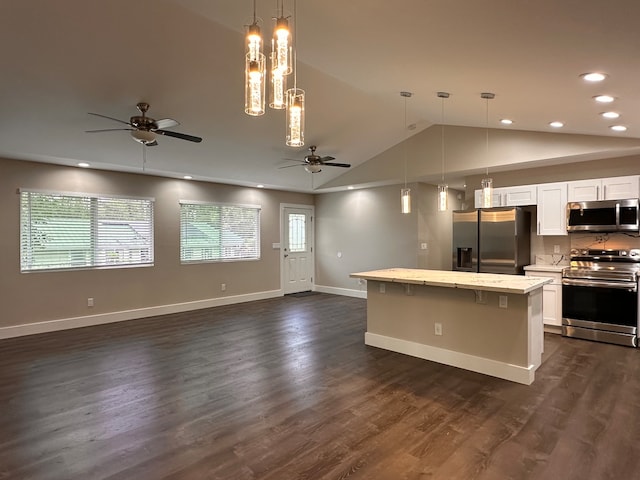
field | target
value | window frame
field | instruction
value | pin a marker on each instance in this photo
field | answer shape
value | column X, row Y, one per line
column 95, row 240
column 258, row 228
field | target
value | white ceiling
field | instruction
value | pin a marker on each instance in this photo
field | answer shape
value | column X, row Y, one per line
column 62, row 59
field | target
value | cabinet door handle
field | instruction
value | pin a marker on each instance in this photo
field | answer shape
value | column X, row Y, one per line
column 604, row 192
column 538, row 228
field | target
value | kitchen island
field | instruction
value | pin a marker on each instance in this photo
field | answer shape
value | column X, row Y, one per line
column 486, row 323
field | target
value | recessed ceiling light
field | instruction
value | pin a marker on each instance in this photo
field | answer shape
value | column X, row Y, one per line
column 350, row 187
column 84, row 164
column 593, row 76
column 604, row 98
column 259, row 186
column 618, row 128
column 556, row 124
column 188, row 177
column 610, row 114
column 506, row 121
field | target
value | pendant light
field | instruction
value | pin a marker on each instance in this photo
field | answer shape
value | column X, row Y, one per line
column 281, row 58
column 278, row 86
column 443, row 188
column 281, row 44
column 295, row 101
column 405, row 193
column 487, row 182
column 254, row 70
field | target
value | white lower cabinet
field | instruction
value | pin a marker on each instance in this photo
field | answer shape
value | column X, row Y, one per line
column 551, row 294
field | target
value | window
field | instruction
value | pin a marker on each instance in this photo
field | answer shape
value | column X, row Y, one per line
column 297, row 232
column 216, row 232
column 65, row 231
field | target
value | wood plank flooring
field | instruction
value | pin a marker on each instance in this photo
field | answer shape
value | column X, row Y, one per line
column 286, row 389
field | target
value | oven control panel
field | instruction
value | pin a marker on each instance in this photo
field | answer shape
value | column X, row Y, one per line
column 608, row 254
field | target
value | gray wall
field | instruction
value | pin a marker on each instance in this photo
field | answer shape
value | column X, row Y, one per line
column 40, row 296
column 361, row 230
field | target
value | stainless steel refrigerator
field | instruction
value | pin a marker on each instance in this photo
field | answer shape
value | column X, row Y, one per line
column 491, row 240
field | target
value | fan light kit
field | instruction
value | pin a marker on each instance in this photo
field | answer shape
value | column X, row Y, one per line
column 313, row 163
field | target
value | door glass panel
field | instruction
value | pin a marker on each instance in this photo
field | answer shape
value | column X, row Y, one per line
column 297, row 232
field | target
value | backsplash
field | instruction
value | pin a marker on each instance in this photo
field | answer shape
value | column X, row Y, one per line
column 556, row 250
column 605, row 240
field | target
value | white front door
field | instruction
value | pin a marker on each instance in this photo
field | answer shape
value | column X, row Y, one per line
column 297, row 249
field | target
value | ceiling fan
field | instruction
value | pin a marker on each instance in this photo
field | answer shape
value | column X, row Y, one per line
column 144, row 129
column 313, row 163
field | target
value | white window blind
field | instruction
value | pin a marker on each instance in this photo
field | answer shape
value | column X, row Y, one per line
column 60, row 231
column 216, row 232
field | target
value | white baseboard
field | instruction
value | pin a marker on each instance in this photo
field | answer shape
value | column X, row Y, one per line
column 347, row 292
column 111, row 317
column 476, row 364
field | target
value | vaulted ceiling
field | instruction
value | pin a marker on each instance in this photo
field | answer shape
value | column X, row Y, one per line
column 62, row 59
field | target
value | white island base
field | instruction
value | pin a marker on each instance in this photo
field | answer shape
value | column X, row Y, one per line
column 456, row 318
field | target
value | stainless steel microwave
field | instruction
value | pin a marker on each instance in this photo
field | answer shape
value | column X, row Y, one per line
column 603, row 216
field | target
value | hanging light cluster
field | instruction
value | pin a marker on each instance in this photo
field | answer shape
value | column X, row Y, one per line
column 282, row 63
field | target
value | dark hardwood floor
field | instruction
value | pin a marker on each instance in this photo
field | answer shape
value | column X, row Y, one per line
column 286, row 389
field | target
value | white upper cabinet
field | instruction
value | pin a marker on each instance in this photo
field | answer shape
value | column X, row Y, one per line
column 552, row 203
column 519, row 196
column 614, row 188
column 509, row 196
column 496, row 198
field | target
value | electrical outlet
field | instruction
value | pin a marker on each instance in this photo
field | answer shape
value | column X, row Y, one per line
column 556, row 249
column 223, row 287
column 437, row 328
column 502, row 301
column 382, row 288
column 90, row 302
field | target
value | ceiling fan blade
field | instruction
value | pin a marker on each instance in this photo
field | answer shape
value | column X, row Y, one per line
column 326, row 159
column 333, row 164
column 109, row 130
column 289, row 166
column 182, row 136
column 110, row 118
column 166, row 123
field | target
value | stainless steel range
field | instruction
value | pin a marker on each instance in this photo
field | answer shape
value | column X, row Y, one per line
column 600, row 296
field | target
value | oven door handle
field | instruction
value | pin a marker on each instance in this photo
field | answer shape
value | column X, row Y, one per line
column 630, row 286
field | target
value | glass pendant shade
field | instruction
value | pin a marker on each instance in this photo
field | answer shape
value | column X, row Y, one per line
column 295, row 117
column 277, row 92
column 281, row 46
column 254, row 91
column 442, row 197
column 487, row 192
column 405, row 200
column 254, row 42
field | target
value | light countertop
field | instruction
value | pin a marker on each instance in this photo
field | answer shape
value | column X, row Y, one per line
column 545, row 268
column 493, row 282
